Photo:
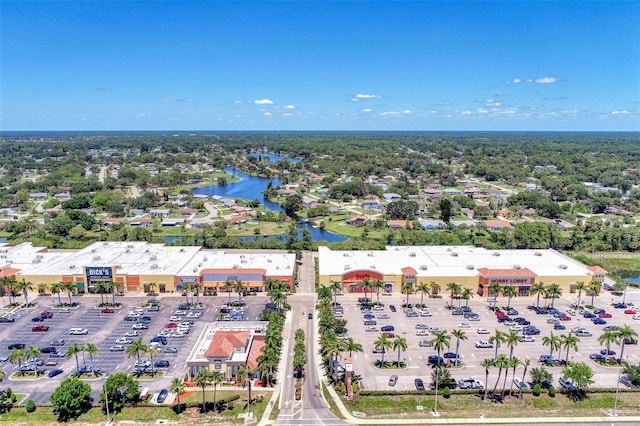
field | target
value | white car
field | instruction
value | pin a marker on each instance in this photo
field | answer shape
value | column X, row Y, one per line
column 464, row 325
column 519, row 383
column 180, row 313
column 483, row 331
column 371, row 328
column 78, row 331
column 139, row 326
column 422, row 332
column 516, row 327
column 425, row 312
column 123, row 341
column 383, row 316
column 131, row 333
column 527, row 338
column 378, row 308
column 194, row 314
column 116, row 348
column 483, row 344
column 636, row 317
column 175, row 318
column 422, row 327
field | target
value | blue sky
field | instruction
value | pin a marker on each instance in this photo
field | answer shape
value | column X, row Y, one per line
column 205, row 65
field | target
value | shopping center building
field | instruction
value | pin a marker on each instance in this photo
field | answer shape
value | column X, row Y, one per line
column 471, row 267
column 143, row 267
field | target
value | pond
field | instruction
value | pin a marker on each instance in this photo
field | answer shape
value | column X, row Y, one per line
column 248, row 188
column 275, row 157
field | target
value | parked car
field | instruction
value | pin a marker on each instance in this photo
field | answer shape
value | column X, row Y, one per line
column 604, row 315
column 162, row 396
column 57, row 342
column 46, row 314
column 435, row 360
column 425, row 343
column 51, row 362
column 419, row 384
column 566, row 383
column 7, row 319
column 583, row 333
column 107, row 311
column 519, row 383
column 422, row 326
column 598, row 321
column 124, row 341
column 410, row 313
column 371, row 328
column 392, row 308
column 388, row 335
column 170, row 350
column 48, row 349
column 116, row 348
column 470, row 383
column 607, row 352
column 451, row 355
column 383, row 315
column 162, row 363
column 40, row 328
column 527, row 339
column 422, row 332
column 139, row 326
column 559, row 327
column 37, row 319
column 4, row 357
column 630, row 311
column 598, row 357
column 483, row 331
column 483, row 344
column 78, row 331
column 393, row 380
column 464, row 325
column 387, row 328
column 378, row 350
column 131, row 333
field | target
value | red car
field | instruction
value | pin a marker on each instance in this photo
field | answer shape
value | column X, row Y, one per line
column 46, row 314
column 501, row 314
column 40, row 328
column 630, row 311
column 605, row 315
column 171, row 325
column 564, row 318
column 388, row 335
column 107, row 311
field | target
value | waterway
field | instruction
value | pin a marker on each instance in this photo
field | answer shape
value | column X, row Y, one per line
column 275, row 157
column 250, row 188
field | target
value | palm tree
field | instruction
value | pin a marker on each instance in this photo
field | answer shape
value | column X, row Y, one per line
column 408, row 289
column 32, row 352
column 238, row 286
column 203, row 379
column 594, row 289
column 366, row 285
column 24, row 286
column 42, row 288
column 435, row 288
column 73, row 350
column 569, row 341
column 70, row 288
column 353, row 346
column 16, row 356
column 336, row 286
column 454, row 288
column 8, row 285
column 399, row 344
column 494, row 291
column 625, row 333
column 538, row 289
column 526, row 363
column 512, row 340
column 92, row 350
column 552, row 341
column 267, row 362
column 177, row 387
column 440, row 340
column 2, row 375
column 151, row 288
column 216, row 378
column 487, row 363
column 382, row 342
column 509, row 291
column 245, row 375
column 459, row 335
column 99, row 287
column 607, row 338
column 57, row 288
column 553, row 291
column 497, row 339
column 513, row 363
column 111, row 287
column 423, row 288
column 377, row 285
column 466, row 294
column 135, row 348
column 501, row 362
column 151, row 351
column 228, row 285
column 580, row 286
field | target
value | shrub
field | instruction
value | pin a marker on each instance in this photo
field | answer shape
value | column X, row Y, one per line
column 30, row 406
column 537, row 390
column 446, row 392
column 552, row 391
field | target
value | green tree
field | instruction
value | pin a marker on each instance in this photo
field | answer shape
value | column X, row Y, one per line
column 382, row 342
column 377, row 285
column 16, row 356
column 407, row 288
column 552, row 341
column 70, row 400
column 594, row 289
column 509, row 291
column 121, row 391
column 440, row 340
column 57, row 288
column 216, row 379
column 502, row 363
column 487, row 363
column 511, row 339
column 497, row 339
column 399, row 344
column 353, row 346
column 494, row 291
column 539, row 375
column 92, row 350
column 435, row 288
column 177, row 387
column 203, row 379
column 446, row 209
column 538, row 289
column 292, row 204
column 580, row 287
column 72, row 351
column 526, row 363
column 581, row 375
column 607, row 338
column 228, row 286
column 134, row 349
column 625, row 333
column 553, row 291
column 569, row 341
column 423, row 288
column 24, row 287
column 459, row 335
column 466, row 294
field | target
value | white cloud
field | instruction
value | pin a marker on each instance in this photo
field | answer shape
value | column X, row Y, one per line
column 267, row 114
column 481, row 111
column 361, row 96
column 287, row 114
column 181, row 101
column 467, row 112
column 395, row 113
column 290, row 106
column 516, row 81
column 263, row 102
column 491, row 102
column 547, row 80
column 366, row 110
column 624, row 111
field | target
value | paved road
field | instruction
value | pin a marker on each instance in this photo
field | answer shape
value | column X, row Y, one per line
column 312, row 409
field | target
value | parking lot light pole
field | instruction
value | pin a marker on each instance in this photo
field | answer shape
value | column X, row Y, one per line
column 106, row 401
column 435, row 404
column 614, row 413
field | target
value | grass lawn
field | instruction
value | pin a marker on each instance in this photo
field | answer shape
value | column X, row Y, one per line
column 468, row 405
column 260, row 401
column 615, row 261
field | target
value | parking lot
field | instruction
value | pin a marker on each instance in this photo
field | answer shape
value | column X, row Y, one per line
column 107, row 331
column 441, row 318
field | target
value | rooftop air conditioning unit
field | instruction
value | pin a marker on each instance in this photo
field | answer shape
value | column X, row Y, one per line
column 153, row 257
column 423, row 267
column 470, row 267
column 372, row 267
column 72, row 266
column 181, row 250
column 195, row 269
column 96, row 257
column 496, row 253
column 537, row 253
column 454, row 254
column 347, row 267
column 235, row 266
column 200, row 264
column 205, row 258
column 370, row 254
column 243, row 261
column 517, row 267
column 154, row 266
column 563, row 266
column 412, row 254
column 345, row 254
